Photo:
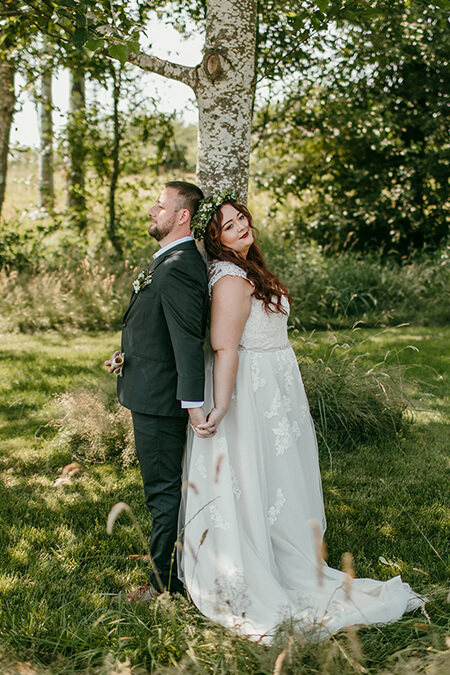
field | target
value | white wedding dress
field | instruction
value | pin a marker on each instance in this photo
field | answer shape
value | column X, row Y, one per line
column 253, row 507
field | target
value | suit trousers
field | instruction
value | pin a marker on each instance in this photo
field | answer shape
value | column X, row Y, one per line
column 160, row 445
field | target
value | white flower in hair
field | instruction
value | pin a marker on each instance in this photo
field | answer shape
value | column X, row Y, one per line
column 208, row 206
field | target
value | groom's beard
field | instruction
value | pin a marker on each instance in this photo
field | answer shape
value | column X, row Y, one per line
column 158, row 232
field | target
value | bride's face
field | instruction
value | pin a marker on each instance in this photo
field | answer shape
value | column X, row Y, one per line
column 236, row 232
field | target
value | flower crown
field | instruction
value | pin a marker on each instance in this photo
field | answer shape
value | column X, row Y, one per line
column 208, row 206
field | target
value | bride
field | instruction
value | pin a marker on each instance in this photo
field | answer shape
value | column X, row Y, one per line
column 253, row 507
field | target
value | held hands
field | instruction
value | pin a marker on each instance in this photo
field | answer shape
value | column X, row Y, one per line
column 198, row 419
column 208, row 428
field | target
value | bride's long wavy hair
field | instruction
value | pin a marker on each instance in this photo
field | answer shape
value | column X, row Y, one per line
column 267, row 287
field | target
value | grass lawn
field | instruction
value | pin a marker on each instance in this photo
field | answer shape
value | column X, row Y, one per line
column 387, row 504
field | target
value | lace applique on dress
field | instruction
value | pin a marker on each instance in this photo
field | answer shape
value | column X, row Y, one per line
column 222, row 445
column 257, row 380
column 201, row 468
column 223, row 268
column 235, row 483
column 275, row 510
column 285, row 366
column 274, row 406
column 287, row 404
column 217, row 518
column 283, row 438
column 296, row 429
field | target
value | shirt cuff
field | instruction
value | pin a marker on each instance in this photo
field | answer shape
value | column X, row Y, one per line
column 192, row 404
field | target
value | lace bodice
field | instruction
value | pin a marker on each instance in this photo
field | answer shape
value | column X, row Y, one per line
column 263, row 330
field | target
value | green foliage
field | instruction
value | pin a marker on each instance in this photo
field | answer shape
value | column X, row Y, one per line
column 338, row 290
column 361, row 140
column 59, row 568
column 326, row 292
column 32, row 238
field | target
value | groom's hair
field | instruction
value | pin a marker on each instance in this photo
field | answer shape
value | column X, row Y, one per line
column 189, row 195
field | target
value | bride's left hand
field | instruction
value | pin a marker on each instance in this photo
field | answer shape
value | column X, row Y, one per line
column 209, row 428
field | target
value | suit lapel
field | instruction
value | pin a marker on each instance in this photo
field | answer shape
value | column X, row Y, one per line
column 186, row 245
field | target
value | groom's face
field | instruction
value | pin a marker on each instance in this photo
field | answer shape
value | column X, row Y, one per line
column 164, row 214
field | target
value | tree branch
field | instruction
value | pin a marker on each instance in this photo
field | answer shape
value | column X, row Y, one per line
column 174, row 71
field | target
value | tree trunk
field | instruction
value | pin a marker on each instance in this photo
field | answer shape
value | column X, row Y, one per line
column 76, row 132
column 46, row 188
column 7, row 101
column 112, row 228
column 225, row 92
column 224, row 85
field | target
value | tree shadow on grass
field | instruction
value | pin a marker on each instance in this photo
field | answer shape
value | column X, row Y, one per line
column 59, row 533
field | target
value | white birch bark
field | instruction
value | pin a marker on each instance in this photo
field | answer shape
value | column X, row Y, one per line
column 46, row 188
column 225, row 94
column 76, row 136
column 224, row 86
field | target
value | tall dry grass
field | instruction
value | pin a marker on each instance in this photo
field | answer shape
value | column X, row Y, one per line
column 349, row 402
column 94, row 428
column 327, row 292
column 89, row 297
column 335, row 291
column 352, row 404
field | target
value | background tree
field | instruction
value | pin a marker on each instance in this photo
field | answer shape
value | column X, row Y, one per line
column 225, row 80
column 9, row 23
column 46, row 185
column 7, row 101
column 76, row 149
column 247, row 42
column 362, row 143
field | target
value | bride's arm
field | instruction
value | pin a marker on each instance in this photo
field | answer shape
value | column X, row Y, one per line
column 230, row 308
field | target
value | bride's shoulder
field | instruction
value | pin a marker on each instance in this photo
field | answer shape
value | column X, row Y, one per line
column 223, row 268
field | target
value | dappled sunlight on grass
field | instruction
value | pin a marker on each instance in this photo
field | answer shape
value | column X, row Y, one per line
column 425, row 417
column 385, row 503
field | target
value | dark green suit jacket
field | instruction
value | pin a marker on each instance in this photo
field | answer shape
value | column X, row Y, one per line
column 163, row 333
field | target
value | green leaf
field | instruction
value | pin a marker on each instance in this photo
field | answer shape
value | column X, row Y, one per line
column 80, row 37
column 133, row 46
column 299, row 22
column 316, row 22
column 80, row 19
column 443, row 4
column 120, row 52
column 322, row 5
column 41, row 21
column 61, row 12
column 94, row 45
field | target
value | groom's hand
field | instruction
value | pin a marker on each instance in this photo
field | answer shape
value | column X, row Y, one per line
column 109, row 362
column 198, row 419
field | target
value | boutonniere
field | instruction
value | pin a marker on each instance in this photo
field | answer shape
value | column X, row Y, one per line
column 142, row 280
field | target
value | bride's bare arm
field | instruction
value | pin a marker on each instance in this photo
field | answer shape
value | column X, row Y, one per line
column 230, row 308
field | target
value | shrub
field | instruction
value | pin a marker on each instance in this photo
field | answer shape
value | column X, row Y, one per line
column 90, row 297
column 333, row 292
column 95, row 428
column 349, row 403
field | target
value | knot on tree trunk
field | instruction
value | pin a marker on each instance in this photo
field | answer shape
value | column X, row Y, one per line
column 212, row 64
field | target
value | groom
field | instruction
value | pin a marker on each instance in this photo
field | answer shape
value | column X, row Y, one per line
column 162, row 380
